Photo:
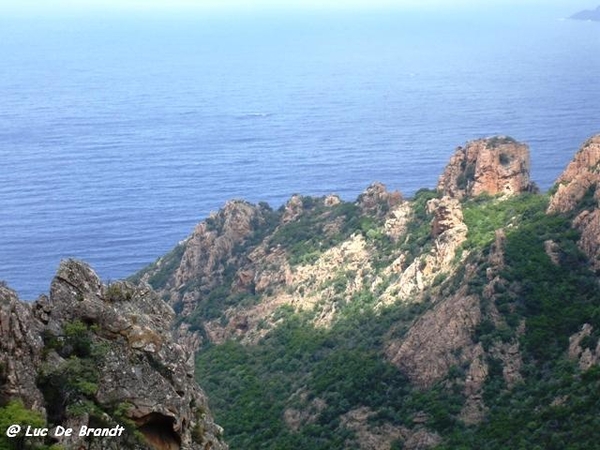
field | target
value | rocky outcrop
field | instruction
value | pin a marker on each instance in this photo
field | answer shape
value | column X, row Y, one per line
column 20, row 351
column 584, row 348
column 211, row 244
column 376, row 200
column 580, row 178
column 397, row 220
column 578, row 189
column 474, row 410
column 509, row 354
column 588, row 222
column 107, row 357
column 495, row 166
column 369, row 437
column 207, row 255
column 292, row 209
column 440, row 339
column 448, row 232
column 447, row 215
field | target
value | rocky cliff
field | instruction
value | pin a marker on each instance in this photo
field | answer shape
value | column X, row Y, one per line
column 464, row 317
column 100, row 355
column 577, row 191
column 496, row 165
column 388, row 321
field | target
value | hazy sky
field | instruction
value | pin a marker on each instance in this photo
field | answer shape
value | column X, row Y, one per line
column 57, row 6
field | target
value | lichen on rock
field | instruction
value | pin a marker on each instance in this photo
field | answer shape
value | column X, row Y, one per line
column 96, row 355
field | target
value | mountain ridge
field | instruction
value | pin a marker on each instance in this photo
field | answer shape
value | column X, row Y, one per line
column 454, row 285
column 464, row 317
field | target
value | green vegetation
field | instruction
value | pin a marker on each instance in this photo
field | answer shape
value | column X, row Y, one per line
column 74, row 381
column 484, row 215
column 319, row 374
column 343, row 366
column 555, row 299
column 496, row 141
column 217, row 301
column 118, row 292
column 417, row 239
column 15, row 413
column 555, row 412
column 321, row 227
column 555, row 407
column 163, row 268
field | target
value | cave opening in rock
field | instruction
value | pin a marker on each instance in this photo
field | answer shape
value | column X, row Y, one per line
column 158, row 431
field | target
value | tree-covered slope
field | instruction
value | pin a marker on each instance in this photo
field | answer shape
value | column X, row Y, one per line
column 465, row 317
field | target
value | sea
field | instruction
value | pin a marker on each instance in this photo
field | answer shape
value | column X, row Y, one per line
column 119, row 133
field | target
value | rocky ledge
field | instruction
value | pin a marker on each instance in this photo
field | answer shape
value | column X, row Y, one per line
column 101, row 355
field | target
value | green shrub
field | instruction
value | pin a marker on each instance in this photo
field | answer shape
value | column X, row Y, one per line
column 484, row 215
column 16, row 413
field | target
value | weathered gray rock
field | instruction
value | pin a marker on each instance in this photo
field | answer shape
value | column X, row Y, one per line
column 108, row 358
column 20, row 351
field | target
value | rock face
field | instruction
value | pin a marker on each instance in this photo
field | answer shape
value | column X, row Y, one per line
column 578, row 188
column 497, row 165
column 377, row 200
column 580, row 178
column 107, row 358
column 200, row 263
column 242, row 252
column 440, row 339
column 211, row 244
column 589, row 224
column 473, row 410
column 20, row 350
column 447, row 215
column 448, row 232
column 586, row 357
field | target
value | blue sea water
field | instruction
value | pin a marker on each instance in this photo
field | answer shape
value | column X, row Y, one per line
column 118, row 135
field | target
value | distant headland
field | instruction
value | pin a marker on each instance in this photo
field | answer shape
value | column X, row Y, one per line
column 587, row 14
